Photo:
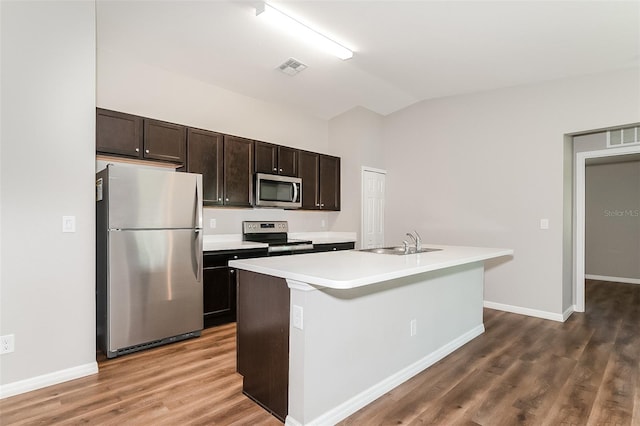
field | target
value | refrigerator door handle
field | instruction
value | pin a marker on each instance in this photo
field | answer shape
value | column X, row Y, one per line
column 198, row 206
column 197, row 255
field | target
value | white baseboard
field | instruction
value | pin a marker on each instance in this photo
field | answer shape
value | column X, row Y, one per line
column 613, row 279
column 38, row 382
column 530, row 312
column 567, row 313
column 366, row 397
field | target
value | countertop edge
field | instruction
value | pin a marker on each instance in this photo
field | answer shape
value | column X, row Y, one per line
column 371, row 279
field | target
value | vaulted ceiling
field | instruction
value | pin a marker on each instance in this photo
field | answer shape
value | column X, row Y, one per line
column 405, row 51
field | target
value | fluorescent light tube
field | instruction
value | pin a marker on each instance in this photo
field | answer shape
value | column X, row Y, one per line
column 300, row 30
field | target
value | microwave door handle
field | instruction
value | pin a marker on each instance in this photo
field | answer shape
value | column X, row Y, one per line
column 295, row 191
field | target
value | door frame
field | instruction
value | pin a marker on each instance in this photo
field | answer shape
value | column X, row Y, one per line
column 580, row 212
column 366, row 169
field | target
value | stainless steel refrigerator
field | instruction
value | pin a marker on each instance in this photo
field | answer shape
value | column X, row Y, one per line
column 149, row 258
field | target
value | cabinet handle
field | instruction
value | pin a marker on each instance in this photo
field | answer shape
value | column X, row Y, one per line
column 317, row 205
column 146, row 150
column 321, row 205
column 226, row 199
column 137, row 149
column 219, row 199
column 280, row 170
column 232, row 271
column 235, row 257
column 275, row 169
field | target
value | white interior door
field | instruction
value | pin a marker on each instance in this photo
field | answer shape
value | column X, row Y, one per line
column 373, row 190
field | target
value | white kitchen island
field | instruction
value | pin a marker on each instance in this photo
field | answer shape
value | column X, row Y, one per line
column 356, row 324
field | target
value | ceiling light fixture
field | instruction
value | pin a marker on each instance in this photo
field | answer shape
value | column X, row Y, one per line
column 301, row 30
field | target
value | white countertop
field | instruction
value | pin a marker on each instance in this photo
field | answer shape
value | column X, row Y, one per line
column 228, row 242
column 221, row 242
column 352, row 268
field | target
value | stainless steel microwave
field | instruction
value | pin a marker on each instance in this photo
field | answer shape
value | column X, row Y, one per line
column 278, row 191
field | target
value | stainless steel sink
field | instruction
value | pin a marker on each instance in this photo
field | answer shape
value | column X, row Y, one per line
column 399, row 250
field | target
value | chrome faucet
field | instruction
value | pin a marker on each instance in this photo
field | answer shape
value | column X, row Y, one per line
column 417, row 241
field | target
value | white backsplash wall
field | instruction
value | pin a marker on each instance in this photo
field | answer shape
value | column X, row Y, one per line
column 229, row 221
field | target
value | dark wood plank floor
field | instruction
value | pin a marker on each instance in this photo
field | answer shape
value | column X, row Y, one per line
column 522, row 370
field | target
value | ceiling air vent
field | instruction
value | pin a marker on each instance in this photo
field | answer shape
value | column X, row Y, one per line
column 292, row 67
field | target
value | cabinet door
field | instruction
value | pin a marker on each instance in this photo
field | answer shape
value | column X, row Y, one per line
column 308, row 170
column 329, row 182
column 164, row 141
column 287, row 161
column 219, row 295
column 238, row 171
column 118, row 133
column 266, row 158
column 204, row 156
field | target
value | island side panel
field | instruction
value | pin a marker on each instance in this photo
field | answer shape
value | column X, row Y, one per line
column 263, row 340
column 356, row 342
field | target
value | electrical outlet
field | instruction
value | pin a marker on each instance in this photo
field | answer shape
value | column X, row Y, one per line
column 212, row 223
column 7, row 344
column 414, row 327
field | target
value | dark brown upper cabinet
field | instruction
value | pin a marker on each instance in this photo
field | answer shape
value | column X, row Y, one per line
column 320, row 181
column 287, row 161
column 227, row 163
column 238, row 171
column 329, row 182
column 164, row 141
column 118, row 133
column 309, row 171
column 266, row 158
column 132, row 136
column 275, row 159
column 205, row 156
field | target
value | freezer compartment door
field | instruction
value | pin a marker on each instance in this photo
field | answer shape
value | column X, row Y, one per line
column 153, row 199
column 154, row 285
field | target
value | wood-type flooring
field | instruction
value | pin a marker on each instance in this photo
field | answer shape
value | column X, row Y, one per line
column 521, row 371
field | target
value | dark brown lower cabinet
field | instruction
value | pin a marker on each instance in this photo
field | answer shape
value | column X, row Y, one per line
column 263, row 340
column 219, row 284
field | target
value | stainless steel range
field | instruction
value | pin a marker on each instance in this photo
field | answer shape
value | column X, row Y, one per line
column 274, row 233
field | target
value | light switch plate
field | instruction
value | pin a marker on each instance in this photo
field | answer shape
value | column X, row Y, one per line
column 298, row 317
column 544, row 223
column 68, row 224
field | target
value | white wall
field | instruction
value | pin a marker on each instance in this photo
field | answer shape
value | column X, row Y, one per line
column 47, row 278
column 229, row 221
column 126, row 85
column 356, row 137
column 483, row 169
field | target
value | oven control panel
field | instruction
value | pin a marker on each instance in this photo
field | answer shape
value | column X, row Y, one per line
column 255, row 227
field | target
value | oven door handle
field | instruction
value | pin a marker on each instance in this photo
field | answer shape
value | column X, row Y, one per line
column 296, row 247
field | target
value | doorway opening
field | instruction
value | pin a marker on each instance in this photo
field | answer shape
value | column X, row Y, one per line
column 581, row 161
